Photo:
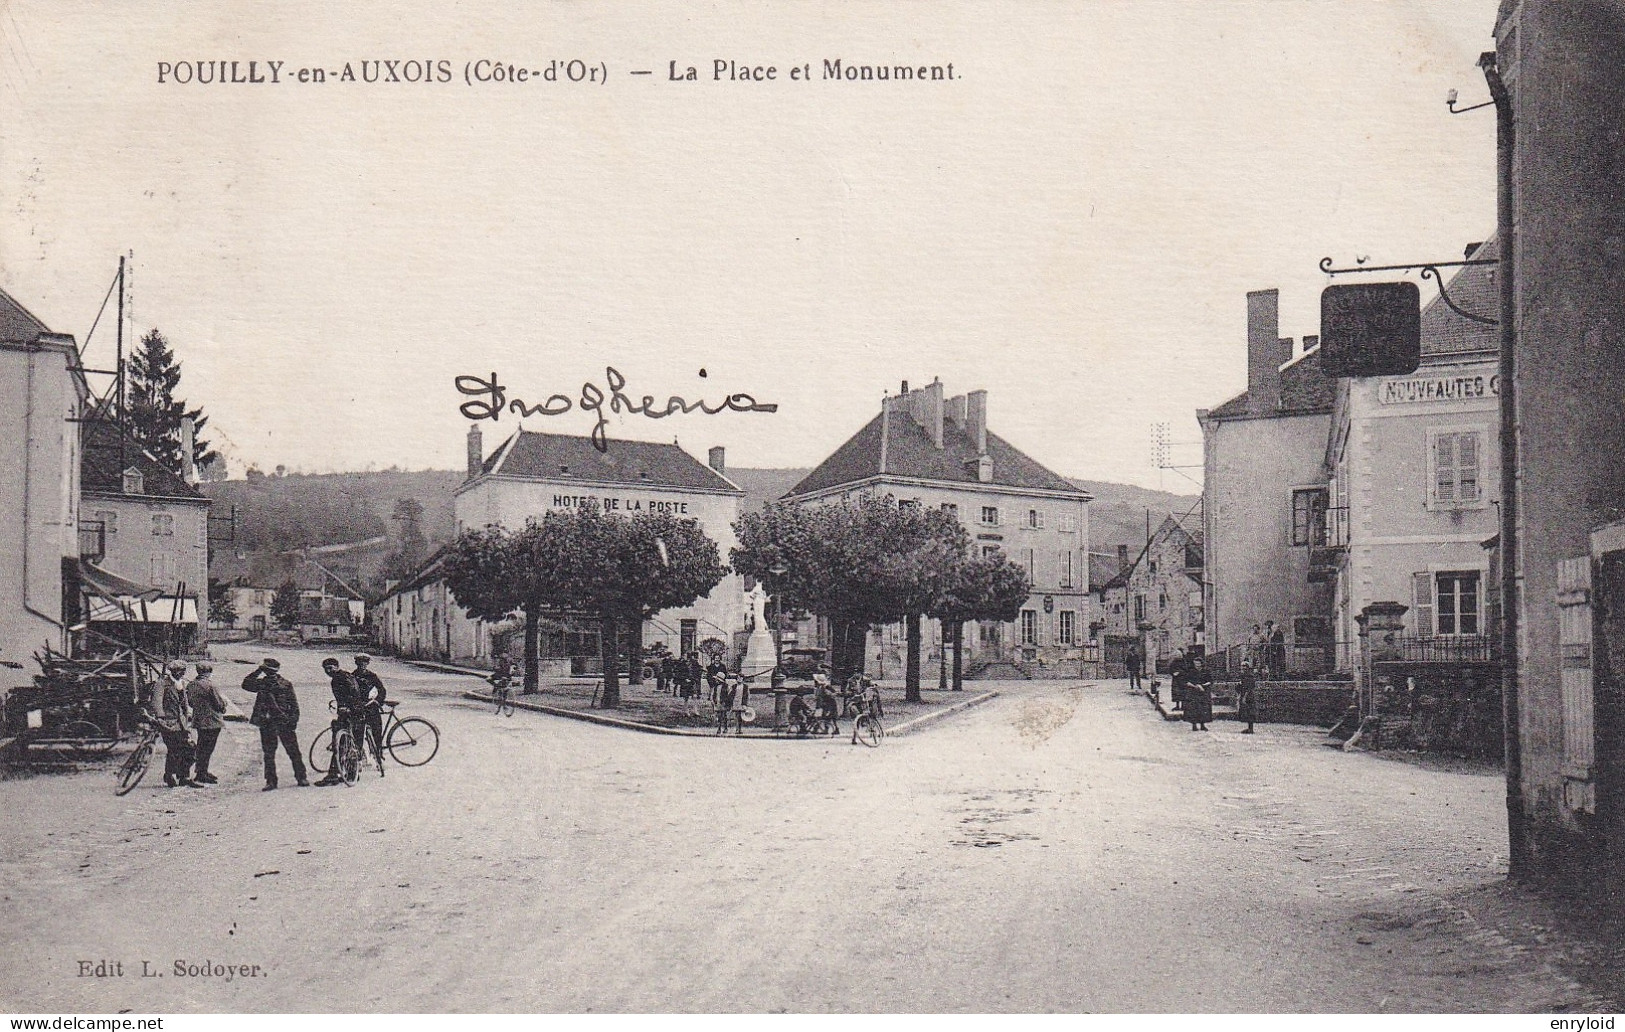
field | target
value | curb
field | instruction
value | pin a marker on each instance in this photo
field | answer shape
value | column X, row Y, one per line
column 924, row 719
column 907, row 727
column 1160, row 708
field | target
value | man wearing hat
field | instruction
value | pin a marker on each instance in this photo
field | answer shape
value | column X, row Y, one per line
column 348, row 704
column 373, row 693
column 276, row 714
column 174, row 720
column 207, row 710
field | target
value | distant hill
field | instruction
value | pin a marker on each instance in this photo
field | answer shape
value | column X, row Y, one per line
column 279, row 515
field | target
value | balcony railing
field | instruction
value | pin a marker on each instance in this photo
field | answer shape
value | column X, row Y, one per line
column 92, row 540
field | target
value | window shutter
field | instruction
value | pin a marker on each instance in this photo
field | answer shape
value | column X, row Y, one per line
column 1444, row 468
column 1467, row 468
column 1422, row 603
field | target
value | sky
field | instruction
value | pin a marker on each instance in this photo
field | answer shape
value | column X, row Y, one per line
column 1071, row 223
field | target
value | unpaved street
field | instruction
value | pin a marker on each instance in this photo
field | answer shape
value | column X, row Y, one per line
column 1059, row 849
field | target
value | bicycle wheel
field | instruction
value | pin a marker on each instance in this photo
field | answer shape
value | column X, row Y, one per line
column 413, row 742
column 868, row 731
column 372, row 750
column 321, row 747
column 134, row 768
column 347, row 755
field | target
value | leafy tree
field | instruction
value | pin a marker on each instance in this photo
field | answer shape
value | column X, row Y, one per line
column 285, row 606
column 493, row 572
column 221, row 605
column 985, row 588
column 402, row 562
column 872, row 562
column 615, row 568
column 154, row 412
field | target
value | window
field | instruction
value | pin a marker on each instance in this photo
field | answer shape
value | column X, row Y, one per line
column 163, row 525
column 134, row 482
column 1458, row 603
column 1069, row 523
column 951, row 509
column 1139, row 608
column 1068, row 629
column 162, row 568
column 1066, row 567
column 1453, row 459
column 990, row 515
column 1309, row 516
column 1162, row 603
column 1035, row 519
column 1029, row 627
column 1032, row 576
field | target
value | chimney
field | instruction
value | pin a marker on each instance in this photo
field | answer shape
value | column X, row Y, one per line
column 188, row 447
column 1467, row 252
column 1122, row 558
column 1310, row 343
column 904, row 392
column 931, row 409
column 714, row 459
column 956, row 410
column 1266, row 352
column 976, row 419
column 476, row 452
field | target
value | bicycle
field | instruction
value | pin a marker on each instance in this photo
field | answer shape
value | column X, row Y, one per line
column 134, row 767
column 346, row 756
column 410, row 741
column 502, row 691
column 869, row 730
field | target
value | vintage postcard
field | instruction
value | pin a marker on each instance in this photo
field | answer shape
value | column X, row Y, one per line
column 838, row 508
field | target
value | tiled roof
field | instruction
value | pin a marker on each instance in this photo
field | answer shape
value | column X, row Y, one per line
column 911, row 453
column 1473, row 289
column 556, row 457
column 101, row 470
column 1305, row 391
column 16, row 322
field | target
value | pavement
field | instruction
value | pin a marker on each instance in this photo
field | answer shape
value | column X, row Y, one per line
column 1055, row 849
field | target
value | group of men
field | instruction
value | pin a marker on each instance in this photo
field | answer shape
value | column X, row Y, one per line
column 358, row 697
column 1266, row 651
column 182, row 710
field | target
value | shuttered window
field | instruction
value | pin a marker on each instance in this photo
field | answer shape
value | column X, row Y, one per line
column 1422, row 603
column 1455, row 458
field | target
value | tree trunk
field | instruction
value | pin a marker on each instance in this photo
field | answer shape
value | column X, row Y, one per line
column 634, row 652
column 608, row 650
column 911, row 665
column 942, row 655
column 533, row 652
column 959, row 655
column 840, row 651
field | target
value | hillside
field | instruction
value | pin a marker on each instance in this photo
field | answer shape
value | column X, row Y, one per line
column 279, row 515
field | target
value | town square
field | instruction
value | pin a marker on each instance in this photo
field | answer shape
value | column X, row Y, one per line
column 1083, row 509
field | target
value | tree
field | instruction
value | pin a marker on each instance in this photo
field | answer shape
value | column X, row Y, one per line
column 154, row 413
column 285, row 606
column 584, row 562
column 872, row 562
column 405, row 560
column 985, row 588
column 221, row 605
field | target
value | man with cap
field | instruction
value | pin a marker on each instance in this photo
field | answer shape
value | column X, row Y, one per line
column 276, row 714
column 174, row 720
column 348, row 701
column 208, row 707
column 373, row 693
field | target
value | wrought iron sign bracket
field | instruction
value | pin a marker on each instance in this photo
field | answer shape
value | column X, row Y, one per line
column 1428, row 270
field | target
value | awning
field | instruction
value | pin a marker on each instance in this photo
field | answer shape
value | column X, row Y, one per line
column 106, row 584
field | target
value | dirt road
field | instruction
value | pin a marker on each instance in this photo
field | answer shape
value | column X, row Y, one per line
column 1059, row 849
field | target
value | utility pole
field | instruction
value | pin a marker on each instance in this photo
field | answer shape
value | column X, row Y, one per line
column 1519, row 858
column 118, row 406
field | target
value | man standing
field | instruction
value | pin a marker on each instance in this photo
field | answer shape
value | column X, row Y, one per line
column 207, row 710
column 348, row 700
column 1277, row 650
column 174, row 720
column 1247, row 697
column 276, row 714
column 1135, row 661
column 373, row 693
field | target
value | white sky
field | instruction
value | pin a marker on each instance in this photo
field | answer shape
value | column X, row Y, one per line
column 1072, row 225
